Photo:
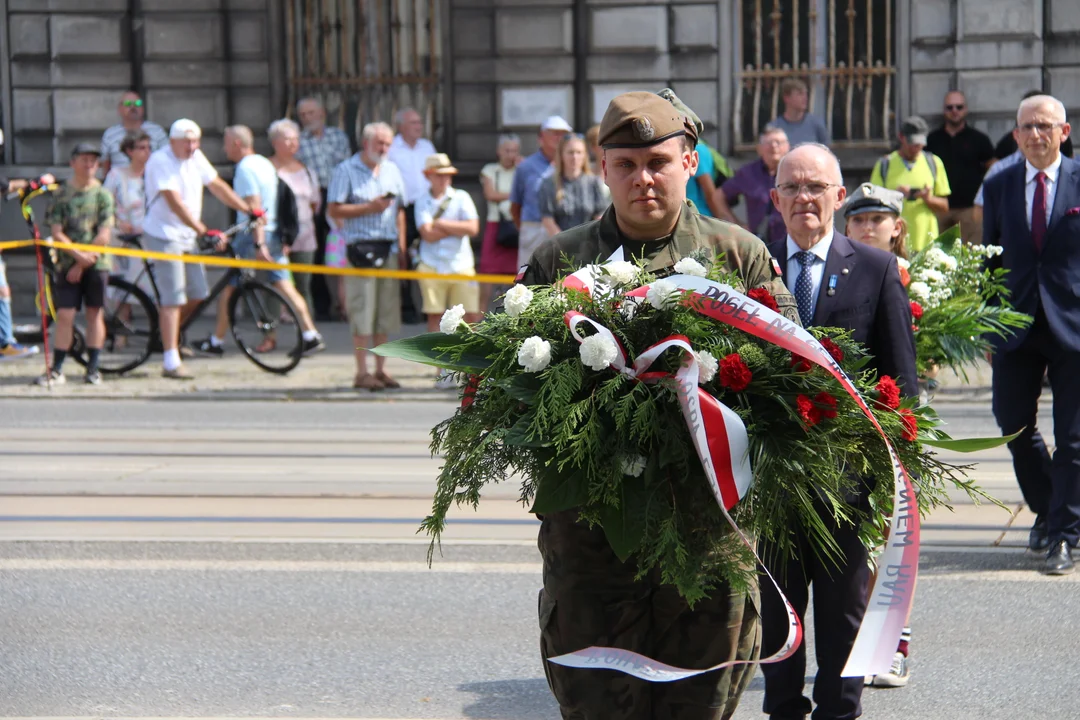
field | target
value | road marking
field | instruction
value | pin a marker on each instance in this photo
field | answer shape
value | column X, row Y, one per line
column 22, row 539
column 360, row 566
column 246, row 519
column 203, row 717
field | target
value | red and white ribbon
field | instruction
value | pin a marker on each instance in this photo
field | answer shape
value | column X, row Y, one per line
column 894, row 586
column 722, row 445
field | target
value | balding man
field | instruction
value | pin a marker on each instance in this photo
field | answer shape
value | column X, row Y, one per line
column 836, row 283
column 409, row 151
column 322, row 149
column 1032, row 210
column 132, row 112
column 966, row 154
column 256, row 181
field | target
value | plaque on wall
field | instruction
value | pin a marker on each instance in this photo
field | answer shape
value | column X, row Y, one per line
column 528, row 107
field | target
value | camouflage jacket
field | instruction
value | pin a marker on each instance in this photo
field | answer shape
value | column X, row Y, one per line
column 595, row 241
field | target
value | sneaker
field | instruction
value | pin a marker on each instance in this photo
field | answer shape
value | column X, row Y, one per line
column 898, row 674
column 180, row 373
column 55, row 377
column 206, row 347
column 445, row 381
column 309, row 347
column 92, row 378
column 15, row 351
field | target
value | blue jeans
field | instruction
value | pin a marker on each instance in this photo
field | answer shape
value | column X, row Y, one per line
column 244, row 245
column 6, row 335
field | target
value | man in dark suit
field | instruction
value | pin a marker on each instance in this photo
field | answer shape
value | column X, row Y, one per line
column 838, row 283
column 1032, row 210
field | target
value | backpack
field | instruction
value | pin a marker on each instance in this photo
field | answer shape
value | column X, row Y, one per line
column 288, row 216
column 930, row 160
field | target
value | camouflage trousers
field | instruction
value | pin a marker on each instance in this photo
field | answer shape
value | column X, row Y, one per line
column 591, row 598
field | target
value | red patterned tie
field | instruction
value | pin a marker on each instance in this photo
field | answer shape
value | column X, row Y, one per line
column 1038, row 212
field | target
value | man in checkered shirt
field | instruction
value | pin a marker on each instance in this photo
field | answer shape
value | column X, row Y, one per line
column 322, row 149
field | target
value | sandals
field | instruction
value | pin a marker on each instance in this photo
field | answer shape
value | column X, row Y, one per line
column 367, row 381
column 267, row 345
column 387, row 381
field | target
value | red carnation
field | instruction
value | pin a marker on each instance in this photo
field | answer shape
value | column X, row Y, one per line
column 469, row 396
column 799, row 363
column 827, row 404
column 809, row 412
column 763, row 296
column 888, row 392
column 734, row 373
column 834, row 349
column 916, row 310
column 911, row 425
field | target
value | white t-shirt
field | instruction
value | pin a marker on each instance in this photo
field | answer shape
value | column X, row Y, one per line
column 502, row 180
column 451, row 254
column 187, row 177
column 410, row 161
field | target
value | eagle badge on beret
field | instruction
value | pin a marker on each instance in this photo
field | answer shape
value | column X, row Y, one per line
column 643, row 129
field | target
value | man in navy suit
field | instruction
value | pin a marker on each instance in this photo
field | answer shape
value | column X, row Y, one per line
column 1032, row 210
column 837, row 283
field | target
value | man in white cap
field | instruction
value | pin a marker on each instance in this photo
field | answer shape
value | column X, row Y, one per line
column 525, row 192
column 175, row 177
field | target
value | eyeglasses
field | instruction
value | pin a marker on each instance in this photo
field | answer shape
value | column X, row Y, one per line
column 954, row 107
column 132, row 103
column 1042, row 128
column 813, row 190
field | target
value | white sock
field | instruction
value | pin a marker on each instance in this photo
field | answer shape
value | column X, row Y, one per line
column 310, row 335
column 215, row 341
column 171, row 360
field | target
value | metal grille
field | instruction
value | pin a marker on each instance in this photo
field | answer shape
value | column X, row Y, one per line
column 365, row 59
column 843, row 49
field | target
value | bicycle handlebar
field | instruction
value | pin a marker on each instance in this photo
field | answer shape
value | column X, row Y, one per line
column 206, row 242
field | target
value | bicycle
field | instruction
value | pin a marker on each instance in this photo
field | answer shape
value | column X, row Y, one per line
column 132, row 329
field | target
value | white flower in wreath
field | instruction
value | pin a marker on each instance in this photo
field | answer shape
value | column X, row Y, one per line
column 992, row 250
column 517, row 299
column 690, row 266
column 935, row 257
column 452, row 319
column 949, row 263
column 707, row 366
column 623, row 272
column 662, row 294
column 919, row 290
column 903, row 263
column 632, row 465
column 598, row 352
column 534, row 354
column 930, row 275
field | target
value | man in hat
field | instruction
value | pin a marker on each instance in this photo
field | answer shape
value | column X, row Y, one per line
column 920, row 176
column 589, row 596
column 445, row 218
column 82, row 211
column 525, row 190
column 174, row 181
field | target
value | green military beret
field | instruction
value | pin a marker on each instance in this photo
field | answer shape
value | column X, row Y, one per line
column 873, row 198
column 669, row 95
column 641, row 119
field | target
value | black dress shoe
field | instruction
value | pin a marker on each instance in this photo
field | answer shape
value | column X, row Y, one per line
column 1038, row 540
column 1059, row 560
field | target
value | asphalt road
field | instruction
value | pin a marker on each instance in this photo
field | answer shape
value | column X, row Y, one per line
column 205, row 559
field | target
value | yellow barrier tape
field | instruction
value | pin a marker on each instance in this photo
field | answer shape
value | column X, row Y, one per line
column 218, row 261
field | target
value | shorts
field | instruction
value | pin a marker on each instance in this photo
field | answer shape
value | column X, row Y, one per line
column 530, row 236
column 178, row 282
column 373, row 304
column 439, row 295
column 90, row 288
column 244, row 245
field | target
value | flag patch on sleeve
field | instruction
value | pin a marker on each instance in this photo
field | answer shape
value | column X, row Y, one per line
column 521, row 273
column 776, row 267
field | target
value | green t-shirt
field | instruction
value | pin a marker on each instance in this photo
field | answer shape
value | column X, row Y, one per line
column 82, row 214
column 921, row 221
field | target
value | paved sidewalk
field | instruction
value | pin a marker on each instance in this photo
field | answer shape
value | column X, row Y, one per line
column 326, row 376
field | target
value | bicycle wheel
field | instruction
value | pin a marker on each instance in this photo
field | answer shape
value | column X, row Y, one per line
column 255, row 313
column 131, row 328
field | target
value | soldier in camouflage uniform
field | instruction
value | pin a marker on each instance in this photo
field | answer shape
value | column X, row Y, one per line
column 82, row 211
column 589, row 596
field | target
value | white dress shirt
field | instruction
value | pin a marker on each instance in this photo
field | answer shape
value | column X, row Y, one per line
column 1051, row 187
column 410, row 161
column 817, row 270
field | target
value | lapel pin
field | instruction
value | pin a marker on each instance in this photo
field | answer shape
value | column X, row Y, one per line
column 844, row 271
